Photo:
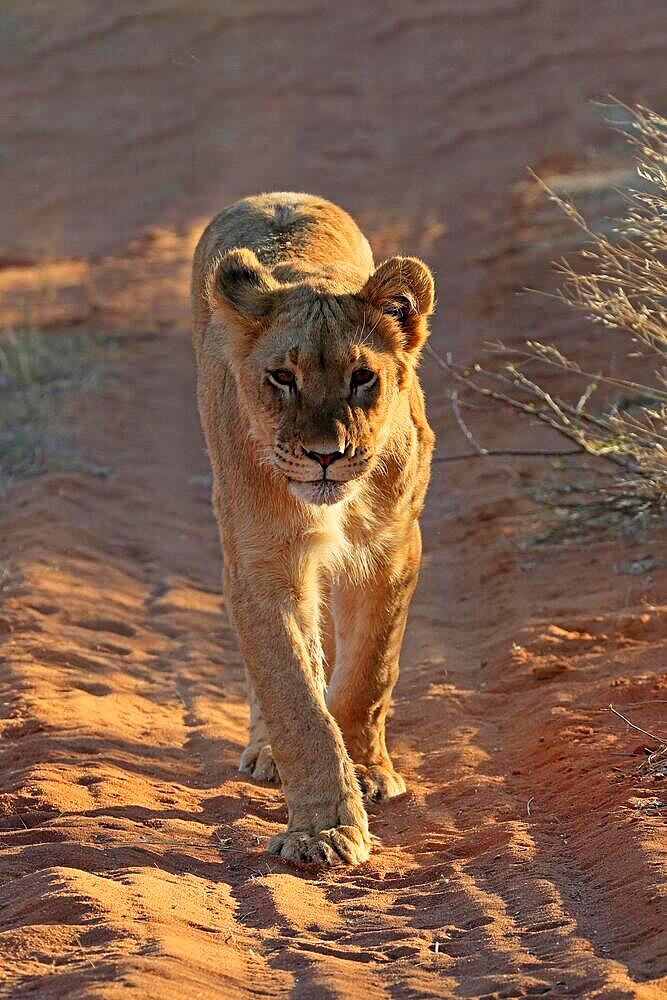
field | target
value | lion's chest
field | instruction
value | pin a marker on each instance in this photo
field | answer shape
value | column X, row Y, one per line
column 349, row 546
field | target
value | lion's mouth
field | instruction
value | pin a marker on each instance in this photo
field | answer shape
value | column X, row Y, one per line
column 317, row 491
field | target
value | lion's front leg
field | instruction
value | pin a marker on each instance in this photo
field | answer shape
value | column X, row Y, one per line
column 370, row 623
column 257, row 758
column 327, row 821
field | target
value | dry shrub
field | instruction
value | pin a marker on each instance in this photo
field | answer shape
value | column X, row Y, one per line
column 619, row 281
column 37, row 372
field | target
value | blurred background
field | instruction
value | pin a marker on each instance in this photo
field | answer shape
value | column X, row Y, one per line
column 421, row 119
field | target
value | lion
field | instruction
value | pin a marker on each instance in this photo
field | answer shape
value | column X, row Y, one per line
column 320, row 450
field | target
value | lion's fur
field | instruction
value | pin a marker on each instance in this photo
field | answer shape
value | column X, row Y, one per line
column 289, row 276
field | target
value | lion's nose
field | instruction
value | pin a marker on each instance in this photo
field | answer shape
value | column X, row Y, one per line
column 325, row 458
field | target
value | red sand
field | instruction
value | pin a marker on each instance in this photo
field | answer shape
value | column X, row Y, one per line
column 131, row 865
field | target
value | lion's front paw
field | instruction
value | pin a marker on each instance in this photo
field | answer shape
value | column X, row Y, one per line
column 257, row 760
column 379, row 782
column 342, row 845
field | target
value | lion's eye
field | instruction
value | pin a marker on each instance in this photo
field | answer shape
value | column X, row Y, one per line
column 282, row 377
column 363, row 376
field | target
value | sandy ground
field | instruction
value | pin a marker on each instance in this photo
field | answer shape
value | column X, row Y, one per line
column 523, row 860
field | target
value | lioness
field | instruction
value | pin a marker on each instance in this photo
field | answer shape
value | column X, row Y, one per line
column 315, row 426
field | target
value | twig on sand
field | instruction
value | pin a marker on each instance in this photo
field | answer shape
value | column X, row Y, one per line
column 658, row 739
column 655, row 763
column 529, row 803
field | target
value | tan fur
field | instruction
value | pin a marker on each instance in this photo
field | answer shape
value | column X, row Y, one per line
column 287, row 281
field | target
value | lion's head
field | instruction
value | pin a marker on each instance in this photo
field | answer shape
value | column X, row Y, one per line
column 320, row 368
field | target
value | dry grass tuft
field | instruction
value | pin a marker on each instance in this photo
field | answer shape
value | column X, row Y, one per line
column 36, row 372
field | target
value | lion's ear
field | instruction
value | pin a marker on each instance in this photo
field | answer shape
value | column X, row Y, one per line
column 237, row 281
column 403, row 288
